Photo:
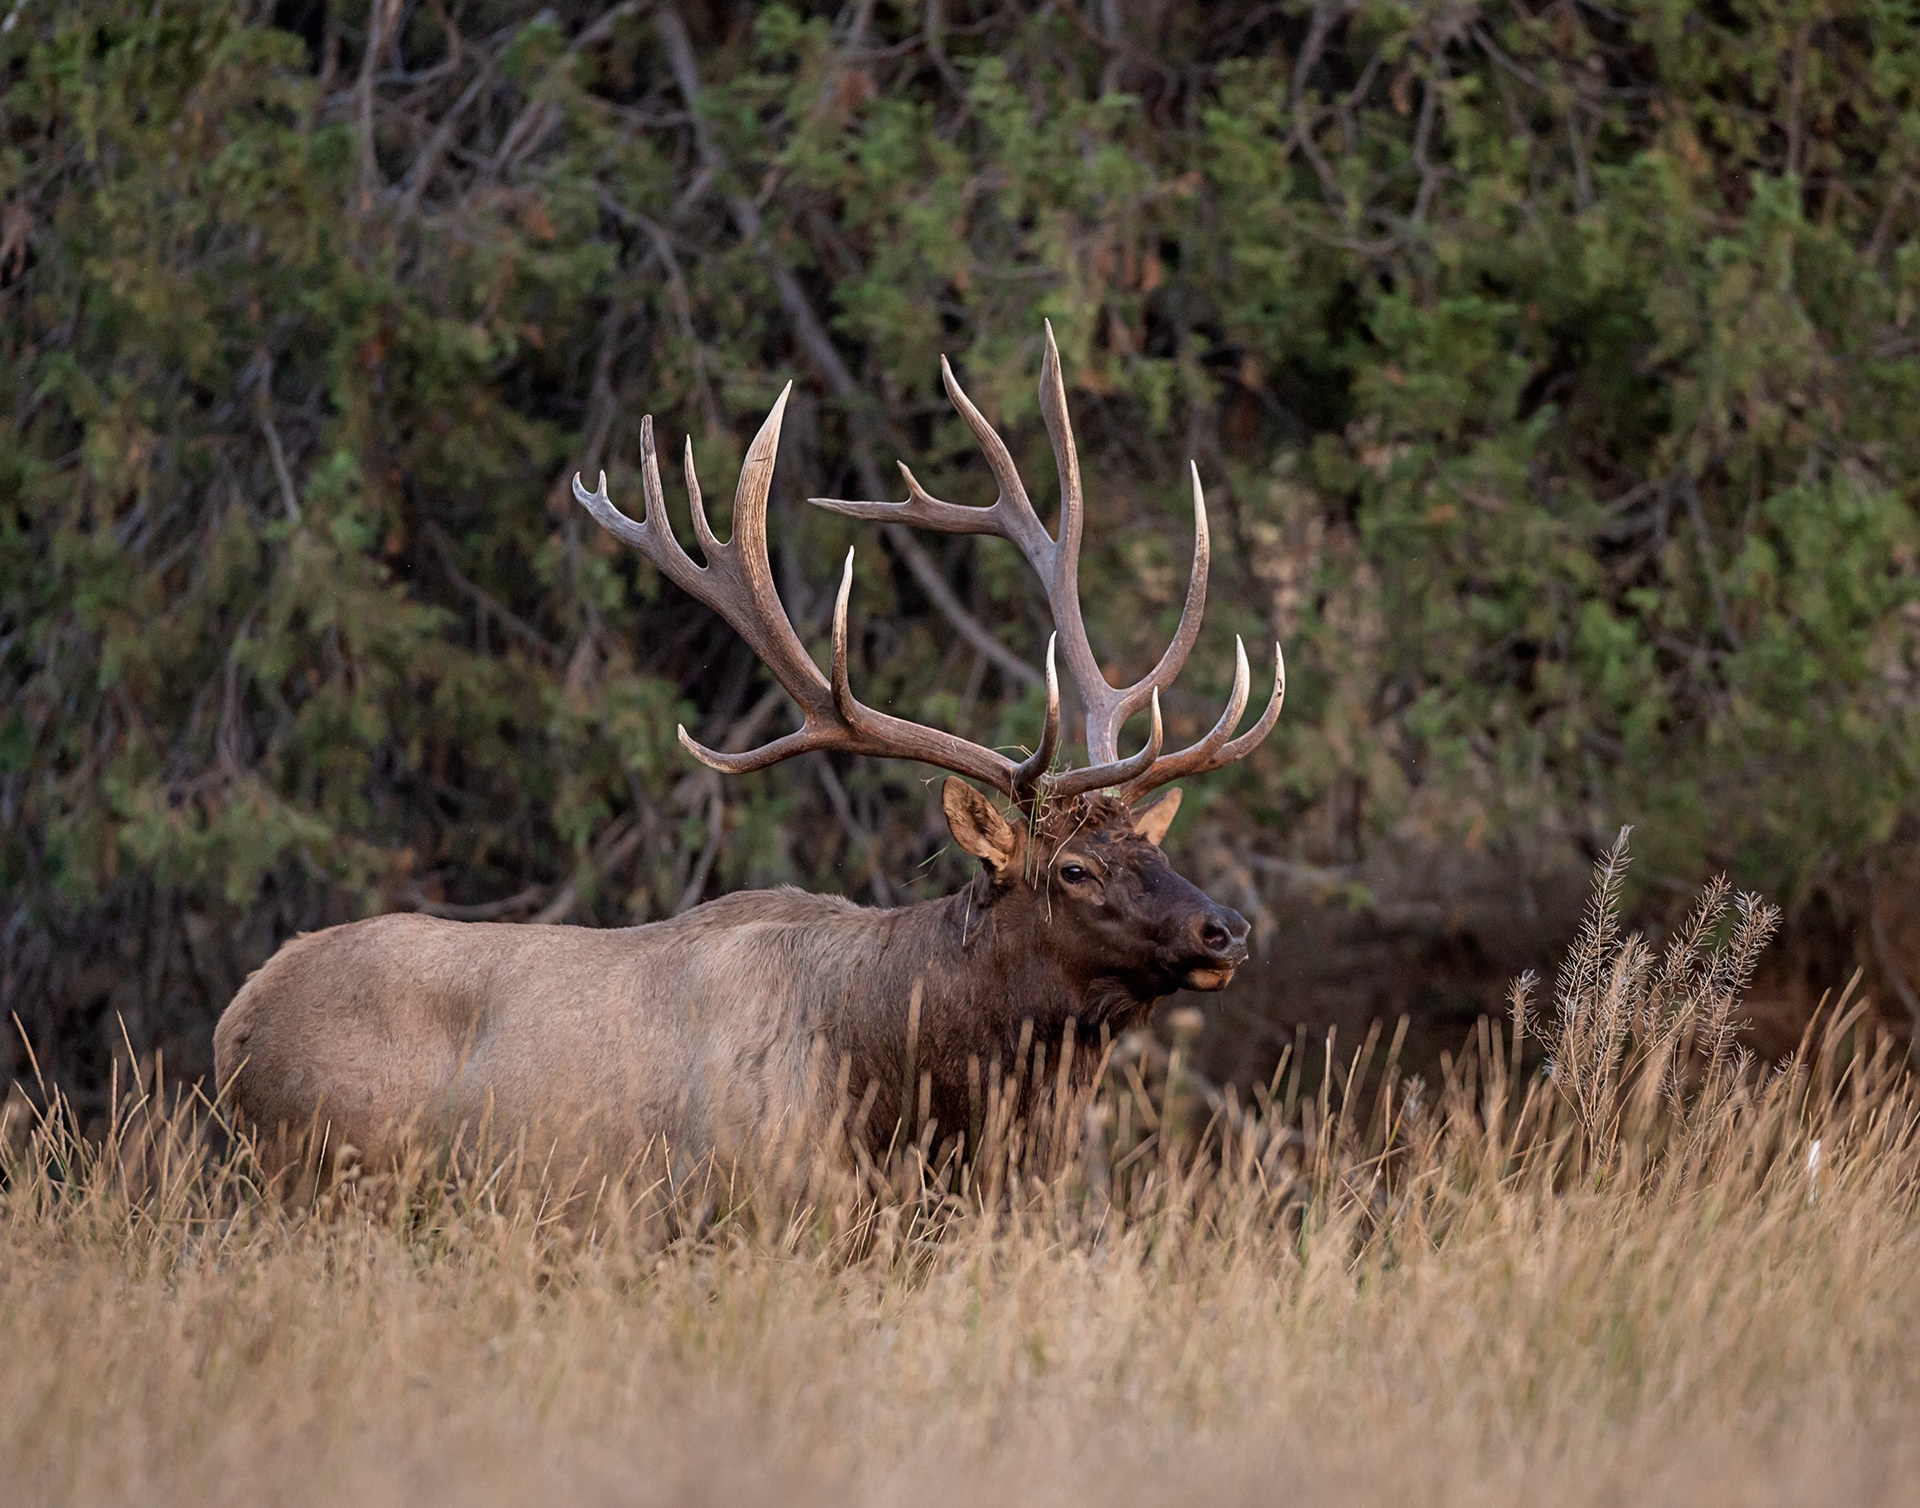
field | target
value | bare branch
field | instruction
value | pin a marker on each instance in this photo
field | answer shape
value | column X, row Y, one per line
column 677, row 295
column 490, row 604
column 1325, row 14
column 427, row 163
column 1690, row 493
column 827, row 363
column 381, row 15
column 263, row 412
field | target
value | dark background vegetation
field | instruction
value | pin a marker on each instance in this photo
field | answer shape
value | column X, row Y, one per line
column 1551, row 368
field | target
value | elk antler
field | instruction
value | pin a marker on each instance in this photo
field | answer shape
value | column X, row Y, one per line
column 737, row 583
column 1012, row 517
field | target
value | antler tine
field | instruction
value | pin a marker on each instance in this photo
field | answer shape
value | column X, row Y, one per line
column 1112, row 772
column 843, row 699
column 1010, row 515
column 862, row 730
column 1174, row 660
column 1107, row 707
column 807, row 738
column 766, row 626
column 1172, row 766
column 1216, row 751
column 1021, row 523
column 1061, row 572
column 1027, row 776
column 921, row 509
column 702, row 530
column 737, row 581
column 1247, row 742
column 1066, row 457
column 652, row 537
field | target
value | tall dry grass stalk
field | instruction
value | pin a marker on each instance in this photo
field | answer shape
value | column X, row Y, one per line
column 1650, row 1270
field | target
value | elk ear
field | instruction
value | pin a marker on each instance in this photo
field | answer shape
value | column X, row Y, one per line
column 977, row 827
column 1153, row 820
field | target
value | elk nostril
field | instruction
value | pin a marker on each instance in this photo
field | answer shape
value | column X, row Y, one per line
column 1215, row 938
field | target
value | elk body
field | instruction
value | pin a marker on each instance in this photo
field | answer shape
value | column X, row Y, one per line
column 732, row 1020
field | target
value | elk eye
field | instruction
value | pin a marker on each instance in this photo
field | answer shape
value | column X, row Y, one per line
column 1073, row 874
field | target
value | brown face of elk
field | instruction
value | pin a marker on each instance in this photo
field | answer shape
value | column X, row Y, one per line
column 1088, row 886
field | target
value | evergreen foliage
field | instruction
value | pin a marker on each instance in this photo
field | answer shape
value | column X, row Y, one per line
column 1550, row 370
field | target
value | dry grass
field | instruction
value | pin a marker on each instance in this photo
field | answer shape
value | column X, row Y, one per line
column 1654, row 1272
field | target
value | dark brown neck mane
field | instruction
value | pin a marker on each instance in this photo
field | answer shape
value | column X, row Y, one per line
column 995, row 1005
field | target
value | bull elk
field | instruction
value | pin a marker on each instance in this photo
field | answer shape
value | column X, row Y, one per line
column 719, row 1020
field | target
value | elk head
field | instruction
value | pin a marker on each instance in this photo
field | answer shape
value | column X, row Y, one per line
column 1077, row 847
column 1086, row 880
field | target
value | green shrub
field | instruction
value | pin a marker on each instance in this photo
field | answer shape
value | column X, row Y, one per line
column 1550, row 376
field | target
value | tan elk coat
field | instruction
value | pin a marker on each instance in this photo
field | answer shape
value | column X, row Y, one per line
column 726, row 1022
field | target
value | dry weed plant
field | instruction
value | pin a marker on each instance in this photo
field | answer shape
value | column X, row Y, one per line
column 1647, row 1270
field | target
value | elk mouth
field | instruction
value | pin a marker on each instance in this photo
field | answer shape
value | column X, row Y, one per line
column 1221, row 934
column 1217, row 978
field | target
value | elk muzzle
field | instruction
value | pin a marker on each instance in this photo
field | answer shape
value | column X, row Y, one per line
column 1219, row 947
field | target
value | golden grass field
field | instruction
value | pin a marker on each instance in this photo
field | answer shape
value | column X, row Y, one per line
column 1648, row 1272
